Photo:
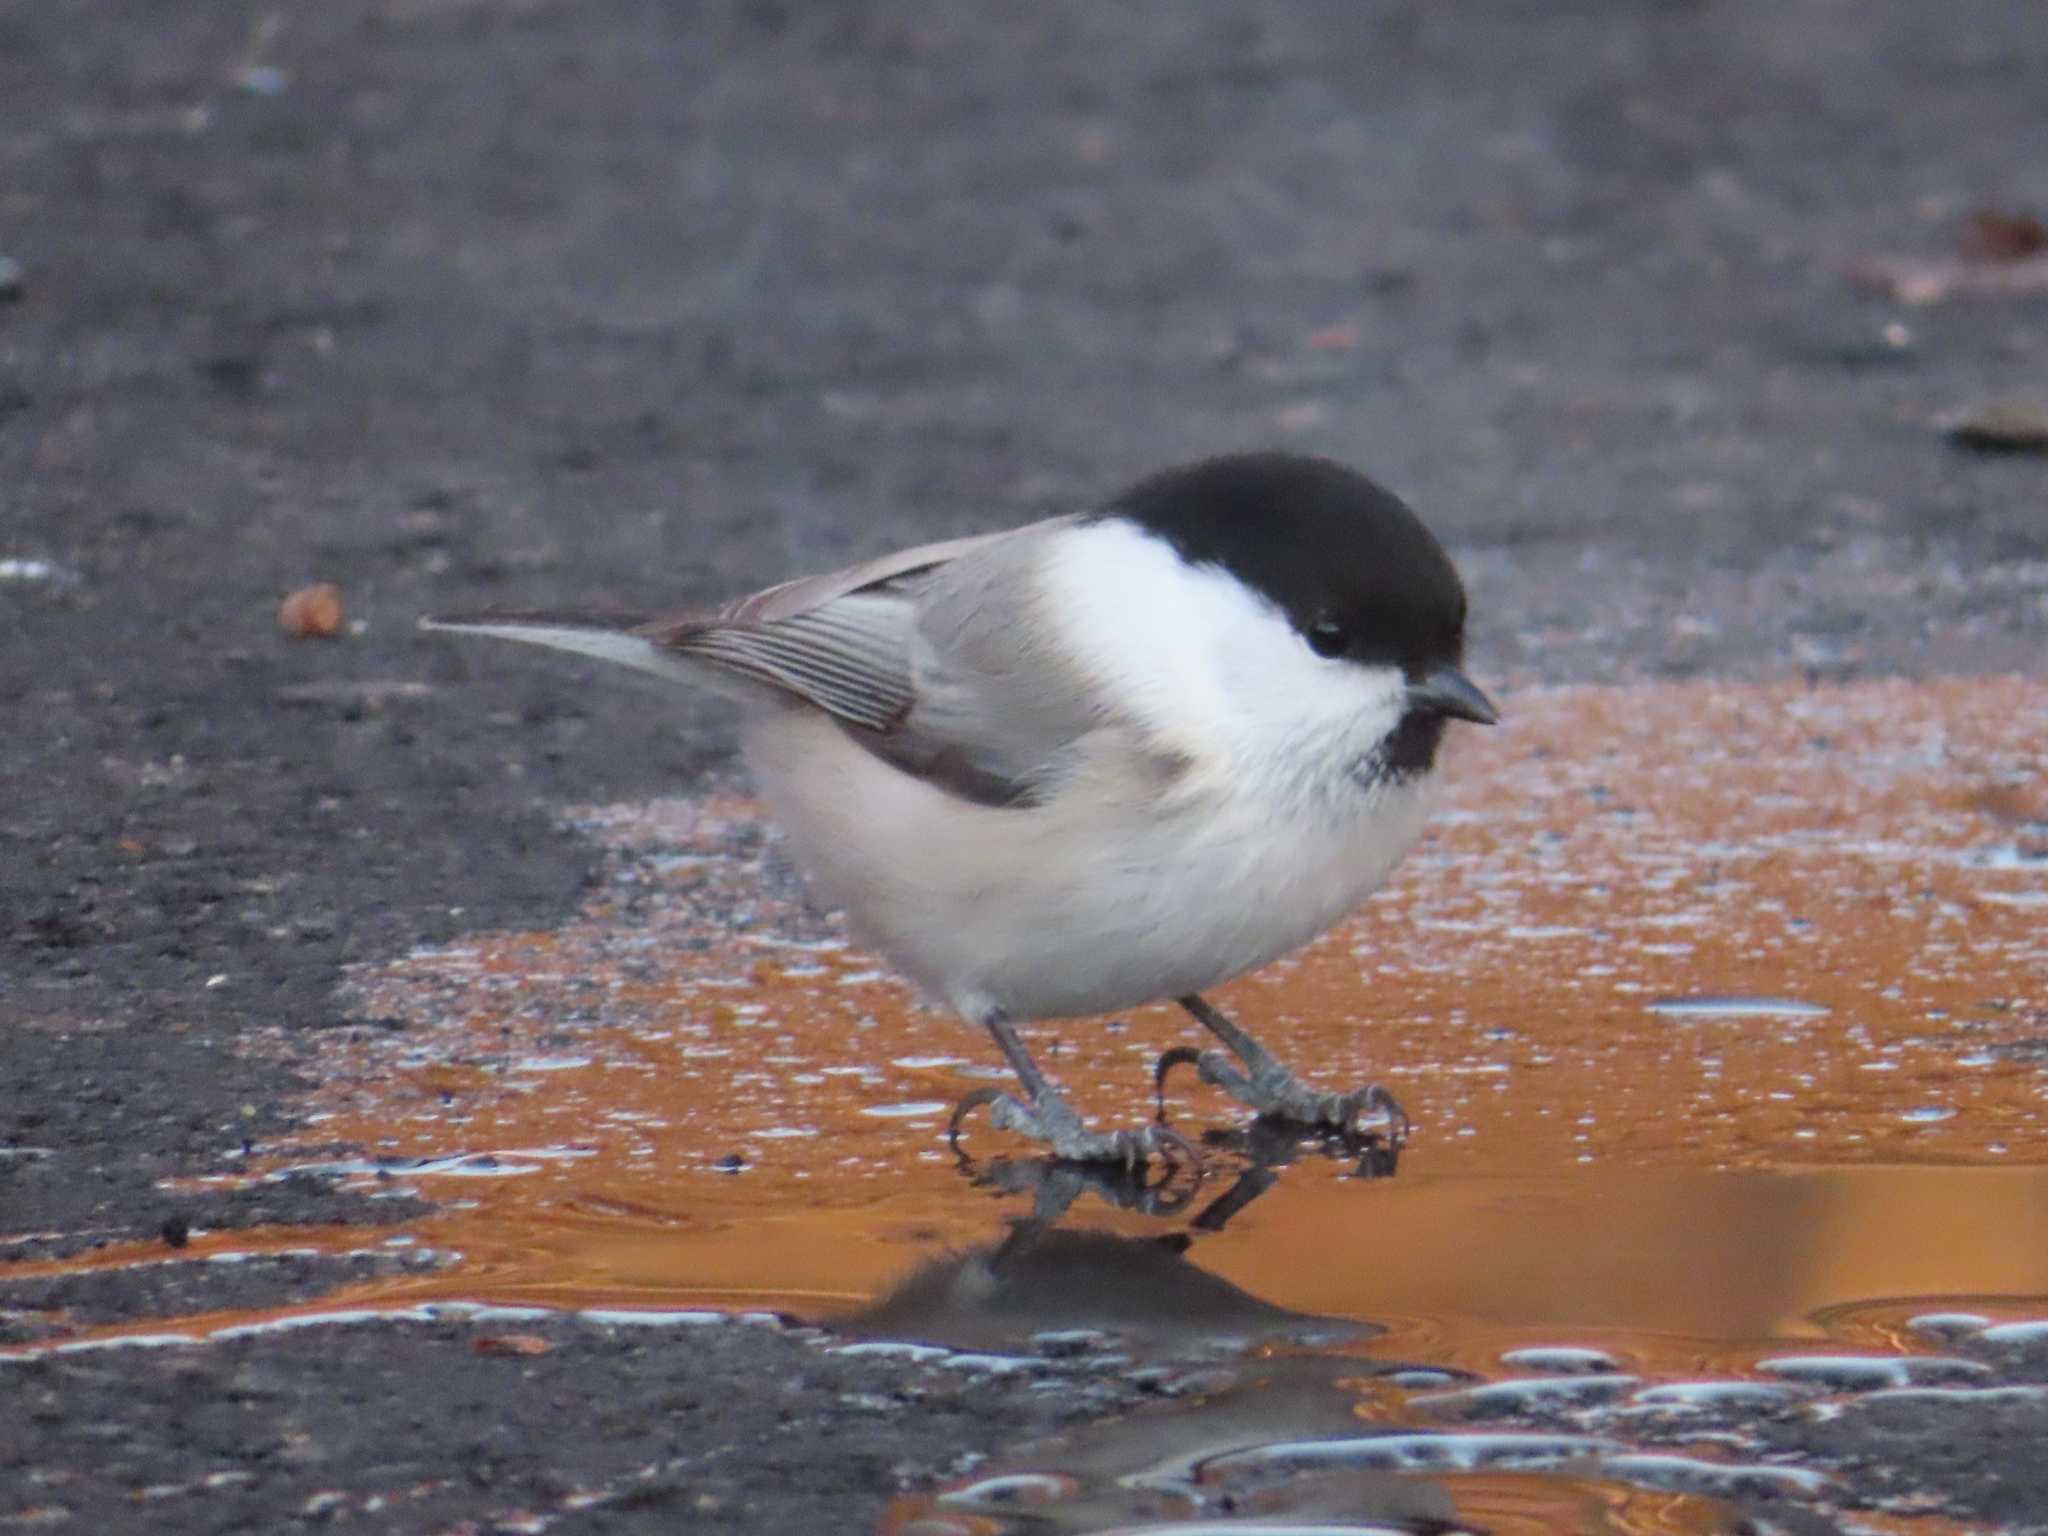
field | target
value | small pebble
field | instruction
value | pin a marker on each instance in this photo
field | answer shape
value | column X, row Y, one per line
column 176, row 1231
column 263, row 80
column 1066, row 1343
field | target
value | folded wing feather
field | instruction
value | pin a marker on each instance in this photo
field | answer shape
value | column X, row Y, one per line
column 915, row 653
column 923, row 655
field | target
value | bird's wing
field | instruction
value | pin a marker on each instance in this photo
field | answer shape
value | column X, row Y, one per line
column 924, row 655
column 933, row 658
column 833, row 640
column 841, row 641
column 998, row 711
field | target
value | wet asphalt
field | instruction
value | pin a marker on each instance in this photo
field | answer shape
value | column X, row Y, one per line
column 632, row 304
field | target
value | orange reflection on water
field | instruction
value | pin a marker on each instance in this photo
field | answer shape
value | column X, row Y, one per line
column 1543, row 1504
column 1600, row 1145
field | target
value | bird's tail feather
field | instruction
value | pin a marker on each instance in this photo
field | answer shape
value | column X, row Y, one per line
column 611, row 639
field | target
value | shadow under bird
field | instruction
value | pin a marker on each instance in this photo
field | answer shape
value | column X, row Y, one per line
column 1099, row 760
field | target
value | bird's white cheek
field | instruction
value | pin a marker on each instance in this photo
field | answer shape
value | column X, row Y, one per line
column 1204, row 663
column 1138, row 623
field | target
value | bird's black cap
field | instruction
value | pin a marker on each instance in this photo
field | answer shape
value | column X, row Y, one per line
column 1344, row 558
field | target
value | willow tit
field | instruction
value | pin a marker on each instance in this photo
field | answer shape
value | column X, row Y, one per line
column 1100, row 760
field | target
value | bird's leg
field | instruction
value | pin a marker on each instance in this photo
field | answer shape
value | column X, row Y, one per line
column 1261, row 1081
column 1046, row 1117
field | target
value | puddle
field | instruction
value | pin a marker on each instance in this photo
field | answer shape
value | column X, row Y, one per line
column 1722, row 1013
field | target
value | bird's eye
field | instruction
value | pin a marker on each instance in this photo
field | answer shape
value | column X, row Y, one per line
column 1326, row 637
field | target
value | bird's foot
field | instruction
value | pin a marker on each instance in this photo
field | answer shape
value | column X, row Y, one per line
column 1274, row 1093
column 1045, row 1117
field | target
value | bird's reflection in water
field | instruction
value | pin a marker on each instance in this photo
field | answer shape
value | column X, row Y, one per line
column 1232, row 1369
column 1209, row 1345
column 1262, row 1148
column 1256, row 1152
column 1140, row 1296
column 1143, row 1294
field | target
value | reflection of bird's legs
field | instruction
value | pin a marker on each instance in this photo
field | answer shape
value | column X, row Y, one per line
column 1264, row 1084
column 1054, row 1184
column 1251, row 1184
column 1043, row 1115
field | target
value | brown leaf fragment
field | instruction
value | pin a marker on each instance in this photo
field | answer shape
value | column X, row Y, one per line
column 312, row 613
column 511, row 1344
column 1993, row 235
column 1998, row 253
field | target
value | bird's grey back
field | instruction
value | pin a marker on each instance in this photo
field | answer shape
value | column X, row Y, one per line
column 997, row 710
column 940, row 660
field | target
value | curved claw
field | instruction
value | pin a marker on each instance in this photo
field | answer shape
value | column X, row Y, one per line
column 1133, row 1149
column 1047, row 1119
column 1373, row 1096
column 1169, row 1141
column 1338, row 1115
column 1281, row 1100
column 966, row 1107
column 1179, row 1056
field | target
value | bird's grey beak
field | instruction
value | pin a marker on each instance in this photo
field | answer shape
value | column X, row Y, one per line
column 1447, row 691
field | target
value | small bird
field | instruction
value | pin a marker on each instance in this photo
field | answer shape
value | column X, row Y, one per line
column 1099, row 760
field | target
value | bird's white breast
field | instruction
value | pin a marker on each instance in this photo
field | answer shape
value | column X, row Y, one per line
column 1214, row 822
